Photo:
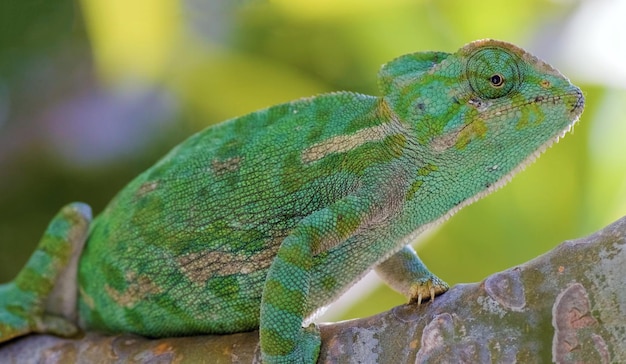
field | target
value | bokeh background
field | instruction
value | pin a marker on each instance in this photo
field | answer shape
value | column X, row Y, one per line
column 92, row 92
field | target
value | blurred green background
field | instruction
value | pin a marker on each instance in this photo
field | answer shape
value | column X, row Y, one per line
column 92, row 92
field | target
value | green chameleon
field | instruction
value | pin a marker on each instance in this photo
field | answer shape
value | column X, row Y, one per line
column 262, row 220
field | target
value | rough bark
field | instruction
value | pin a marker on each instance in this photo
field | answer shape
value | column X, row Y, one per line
column 566, row 306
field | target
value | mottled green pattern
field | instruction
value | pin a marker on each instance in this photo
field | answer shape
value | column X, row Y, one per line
column 262, row 220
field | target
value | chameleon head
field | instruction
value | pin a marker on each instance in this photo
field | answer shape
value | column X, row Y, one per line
column 482, row 113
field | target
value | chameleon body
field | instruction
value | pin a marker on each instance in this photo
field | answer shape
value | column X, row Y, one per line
column 260, row 221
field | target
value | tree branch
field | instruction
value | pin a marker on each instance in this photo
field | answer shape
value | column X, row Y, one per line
column 568, row 305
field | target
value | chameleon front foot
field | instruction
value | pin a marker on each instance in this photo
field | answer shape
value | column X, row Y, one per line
column 427, row 288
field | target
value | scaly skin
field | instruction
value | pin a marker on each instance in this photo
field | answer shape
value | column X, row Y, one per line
column 261, row 220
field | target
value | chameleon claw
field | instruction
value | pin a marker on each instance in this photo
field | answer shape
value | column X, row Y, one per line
column 431, row 290
column 427, row 289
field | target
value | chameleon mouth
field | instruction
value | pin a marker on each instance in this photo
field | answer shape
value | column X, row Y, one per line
column 579, row 105
column 575, row 97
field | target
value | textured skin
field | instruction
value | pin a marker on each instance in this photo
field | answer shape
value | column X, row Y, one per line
column 260, row 221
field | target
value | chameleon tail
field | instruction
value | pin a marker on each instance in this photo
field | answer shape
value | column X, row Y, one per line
column 42, row 298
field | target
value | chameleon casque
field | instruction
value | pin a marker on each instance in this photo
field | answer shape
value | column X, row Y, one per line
column 260, row 221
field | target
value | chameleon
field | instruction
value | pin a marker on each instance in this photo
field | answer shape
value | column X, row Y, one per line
column 262, row 220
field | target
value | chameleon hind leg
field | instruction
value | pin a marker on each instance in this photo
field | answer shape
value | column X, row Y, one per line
column 42, row 298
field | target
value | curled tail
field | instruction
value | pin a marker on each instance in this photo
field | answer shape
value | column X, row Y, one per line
column 42, row 298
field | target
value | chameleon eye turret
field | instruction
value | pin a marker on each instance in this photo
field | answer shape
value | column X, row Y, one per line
column 493, row 72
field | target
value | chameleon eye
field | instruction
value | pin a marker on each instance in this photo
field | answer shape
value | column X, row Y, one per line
column 497, row 80
column 493, row 72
